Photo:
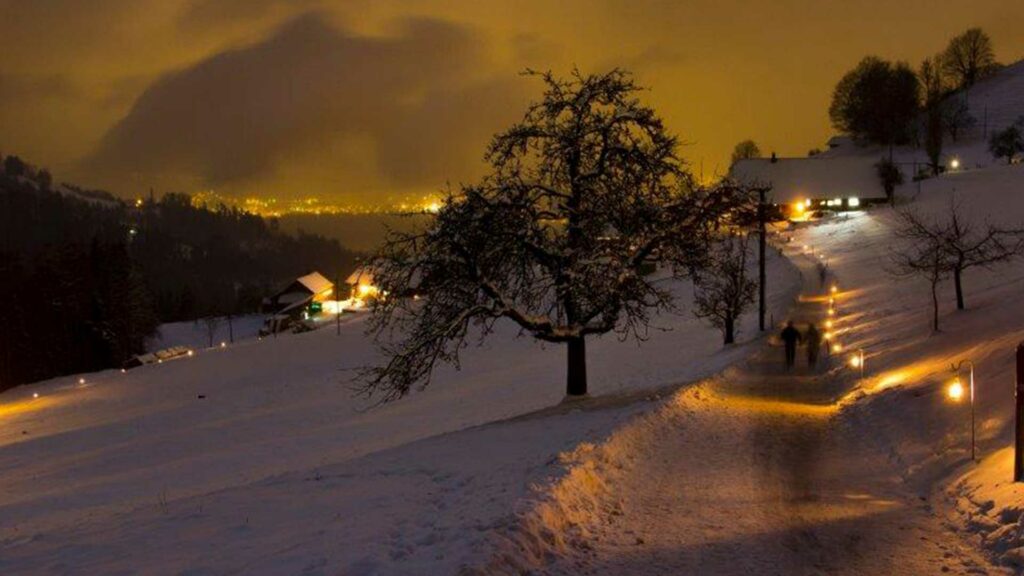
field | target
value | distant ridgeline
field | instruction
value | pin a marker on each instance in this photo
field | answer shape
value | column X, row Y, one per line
column 86, row 277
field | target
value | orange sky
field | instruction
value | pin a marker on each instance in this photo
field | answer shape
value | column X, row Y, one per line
column 376, row 101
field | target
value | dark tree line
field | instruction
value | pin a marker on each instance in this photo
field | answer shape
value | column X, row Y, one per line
column 889, row 104
column 86, row 281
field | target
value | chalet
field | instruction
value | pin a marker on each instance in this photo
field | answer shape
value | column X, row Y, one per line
column 304, row 293
column 361, row 284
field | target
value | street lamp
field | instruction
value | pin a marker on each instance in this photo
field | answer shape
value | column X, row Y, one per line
column 956, row 393
column 857, row 361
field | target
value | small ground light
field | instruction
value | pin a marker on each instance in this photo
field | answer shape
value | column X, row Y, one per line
column 837, row 347
column 855, row 361
column 35, row 394
column 81, row 380
column 123, row 370
column 834, row 289
column 190, row 352
column 828, row 335
column 223, row 344
column 955, row 163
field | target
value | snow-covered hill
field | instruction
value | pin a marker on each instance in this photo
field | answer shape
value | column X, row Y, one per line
column 903, row 397
column 223, row 450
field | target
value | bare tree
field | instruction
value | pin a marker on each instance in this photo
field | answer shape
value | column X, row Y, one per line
column 969, row 57
column 723, row 291
column 890, row 176
column 969, row 246
column 581, row 196
column 211, row 324
column 934, row 89
column 956, row 117
column 962, row 244
column 923, row 257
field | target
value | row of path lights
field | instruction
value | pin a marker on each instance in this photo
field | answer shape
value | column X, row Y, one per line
column 955, row 391
column 81, row 381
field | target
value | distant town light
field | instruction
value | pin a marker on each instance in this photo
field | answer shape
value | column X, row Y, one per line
column 190, row 352
column 829, row 323
column 853, row 202
column 855, row 361
column 223, row 344
column 834, row 289
column 35, row 394
column 807, row 203
column 837, row 347
column 954, row 163
column 81, row 380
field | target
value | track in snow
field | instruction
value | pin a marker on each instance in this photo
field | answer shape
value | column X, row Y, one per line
column 757, row 472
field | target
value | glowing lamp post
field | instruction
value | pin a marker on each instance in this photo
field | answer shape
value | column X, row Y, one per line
column 857, row 361
column 956, row 392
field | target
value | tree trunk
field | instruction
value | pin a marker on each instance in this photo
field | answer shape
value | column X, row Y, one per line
column 935, row 306
column 761, row 276
column 959, row 289
column 576, row 376
column 730, row 332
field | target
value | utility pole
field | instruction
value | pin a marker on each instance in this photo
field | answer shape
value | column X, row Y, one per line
column 761, row 236
column 1018, row 445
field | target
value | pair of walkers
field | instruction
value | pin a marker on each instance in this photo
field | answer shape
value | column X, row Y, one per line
column 791, row 337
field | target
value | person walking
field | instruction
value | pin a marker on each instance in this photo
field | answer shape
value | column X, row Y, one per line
column 791, row 337
column 813, row 339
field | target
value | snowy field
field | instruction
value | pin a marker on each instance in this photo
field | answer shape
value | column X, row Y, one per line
column 196, row 335
column 258, row 458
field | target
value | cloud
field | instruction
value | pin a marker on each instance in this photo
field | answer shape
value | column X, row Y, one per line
column 415, row 96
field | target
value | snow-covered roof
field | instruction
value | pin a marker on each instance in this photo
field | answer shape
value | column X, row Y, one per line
column 795, row 179
column 362, row 276
column 315, row 283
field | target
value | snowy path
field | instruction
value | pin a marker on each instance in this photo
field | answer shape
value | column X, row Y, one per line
column 757, row 472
